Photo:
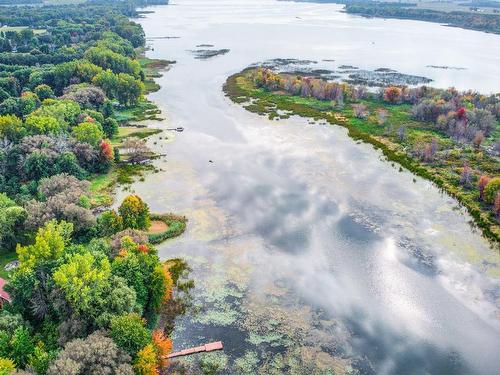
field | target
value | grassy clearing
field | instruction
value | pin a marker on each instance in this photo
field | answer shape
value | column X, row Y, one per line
column 5, row 258
column 144, row 110
column 175, row 226
column 444, row 170
column 132, row 131
column 19, row 28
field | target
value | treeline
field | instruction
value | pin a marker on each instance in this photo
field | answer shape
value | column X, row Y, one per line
column 90, row 294
column 20, row 2
column 441, row 126
column 466, row 20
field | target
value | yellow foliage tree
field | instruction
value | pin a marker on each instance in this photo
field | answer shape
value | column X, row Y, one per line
column 146, row 363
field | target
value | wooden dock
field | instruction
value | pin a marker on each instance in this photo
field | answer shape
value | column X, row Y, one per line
column 199, row 349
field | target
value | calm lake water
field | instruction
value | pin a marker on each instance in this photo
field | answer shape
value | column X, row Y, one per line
column 311, row 253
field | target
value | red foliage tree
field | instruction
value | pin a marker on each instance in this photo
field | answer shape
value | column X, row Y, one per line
column 392, row 94
column 461, row 112
column 106, row 150
column 496, row 204
column 483, row 181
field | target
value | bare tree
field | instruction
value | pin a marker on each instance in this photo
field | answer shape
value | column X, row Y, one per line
column 136, row 150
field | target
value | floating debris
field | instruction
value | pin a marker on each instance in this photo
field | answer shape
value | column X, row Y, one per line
column 162, row 37
column 384, row 78
column 203, row 54
column 445, row 67
column 348, row 67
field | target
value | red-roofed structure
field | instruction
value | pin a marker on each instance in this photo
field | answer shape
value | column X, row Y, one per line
column 4, row 296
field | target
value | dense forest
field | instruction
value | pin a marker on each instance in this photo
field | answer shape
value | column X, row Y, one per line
column 89, row 293
column 467, row 20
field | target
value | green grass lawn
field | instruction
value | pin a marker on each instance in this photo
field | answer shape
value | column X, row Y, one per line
column 19, row 28
column 5, row 258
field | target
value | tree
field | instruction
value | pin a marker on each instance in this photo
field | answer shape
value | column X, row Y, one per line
column 491, row 190
column 12, row 218
column 161, row 288
column 129, row 90
column 83, row 280
column 50, row 242
column 129, row 333
column 109, row 223
column 61, row 196
column 97, row 354
column 108, row 81
column 146, row 362
column 496, row 204
column 483, row 181
column 44, row 92
column 87, row 96
column 134, row 212
column 65, row 111
column 137, row 270
column 360, row 111
column 11, row 127
column 163, row 346
column 36, row 165
column 466, row 176
column 108, row 59
column 35, row 124
column 88, row 132
column 136, row 150
column 110, row 127
column 22, row 346
column 41, row 359
column 7, row 366
column 392, row 94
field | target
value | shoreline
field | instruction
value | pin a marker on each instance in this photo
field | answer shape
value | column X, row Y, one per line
column 233, row 88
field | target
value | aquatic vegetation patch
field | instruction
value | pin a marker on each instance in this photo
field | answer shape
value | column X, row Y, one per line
column 204, row 54
column 175, row 226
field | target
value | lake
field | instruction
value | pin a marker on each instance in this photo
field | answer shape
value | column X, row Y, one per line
column 312, row 254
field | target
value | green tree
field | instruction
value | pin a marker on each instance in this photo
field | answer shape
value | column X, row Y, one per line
column 107, row 59
column 110, row 127
column 50, row 242
column 88, row 132
column 491, row 190
column 35, row 124
column 65, row 111
column 129, row 90
column 44, row 92
column 83, row 280
column 129, row 333
column 108, row 81
column 109, row 223
column 37, row 166
column 11, row 127
column 12, row 218
column 134, row 212
column 22, row 346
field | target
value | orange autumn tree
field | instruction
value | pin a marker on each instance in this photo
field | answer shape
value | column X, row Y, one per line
column 163, row 346
column 392, row 94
